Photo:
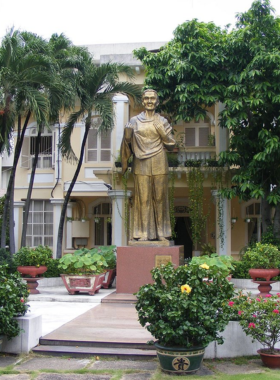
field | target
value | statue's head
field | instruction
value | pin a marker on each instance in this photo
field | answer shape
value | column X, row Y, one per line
column 150, row 94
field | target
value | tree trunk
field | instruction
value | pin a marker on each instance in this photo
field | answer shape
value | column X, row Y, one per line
column 12, row 177
column 265, row 213
column 276, row 222
column 67, row 196
column 12, row 247
column 30, row 188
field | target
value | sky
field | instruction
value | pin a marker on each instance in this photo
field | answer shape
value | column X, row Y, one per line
column 87, row 22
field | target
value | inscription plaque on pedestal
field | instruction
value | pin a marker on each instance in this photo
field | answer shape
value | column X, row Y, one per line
column 162, row 259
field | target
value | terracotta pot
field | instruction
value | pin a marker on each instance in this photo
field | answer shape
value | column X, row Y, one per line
column 32, row 271
column 270, row 360
column 180, row 360
column 267, row 274
column 90, row 284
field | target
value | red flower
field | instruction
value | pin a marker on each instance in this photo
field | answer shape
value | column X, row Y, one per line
column 278, row 294
column 22, row 300
column 276, row 311
column 252, row 325
column 257, row 299
column 231, row 303
column 240, row 312
column 268, row 295
column 254, row 315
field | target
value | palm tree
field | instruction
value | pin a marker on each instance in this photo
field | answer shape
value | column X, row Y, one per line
column 97, row 86
column 21, row 96
column 61, row 92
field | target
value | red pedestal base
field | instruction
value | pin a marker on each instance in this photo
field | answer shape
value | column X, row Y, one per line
column 264, row 287
column 134, row 264
column 32, row 285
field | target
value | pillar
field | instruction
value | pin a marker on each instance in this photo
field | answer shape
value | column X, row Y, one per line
column 223, row 224
column 18, row 212
column 118, row 197
column 57, row 205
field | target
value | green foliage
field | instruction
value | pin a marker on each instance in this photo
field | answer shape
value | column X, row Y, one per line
column 263, row 256
column 182, row 308
column 109, row 254
column 53, row 269
column 259, row 318
column 41, row 255
column 241, row 269
column 222, row 263
column 172, row 160
column 6, row 259
column 83, row 261
column 207, row 249
column 2, row 201
column 13, row 297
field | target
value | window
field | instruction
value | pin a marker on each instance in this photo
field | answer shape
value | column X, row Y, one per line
column 40, row 224
column 197, row 133
column 46, row 150
column 98, row 146
column 102, row 224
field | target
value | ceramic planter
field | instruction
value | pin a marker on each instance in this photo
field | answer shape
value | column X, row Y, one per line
column 266, row 274
column 90, row 284
column 109, row 278
column 270, row 360
column 33, row 272
column 179, row 360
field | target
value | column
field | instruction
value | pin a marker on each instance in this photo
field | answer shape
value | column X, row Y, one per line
column 121, row 111
column 118, row 197
column 57, row 205
column 69, row 240
column 223, row 224
column 18, row 212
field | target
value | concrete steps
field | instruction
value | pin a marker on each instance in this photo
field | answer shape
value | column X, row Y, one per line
column 84, row 351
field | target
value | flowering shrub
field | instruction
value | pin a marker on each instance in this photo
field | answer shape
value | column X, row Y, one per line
column 13, row 296
column 259, row 317
column 263, row 256
column 182, row 308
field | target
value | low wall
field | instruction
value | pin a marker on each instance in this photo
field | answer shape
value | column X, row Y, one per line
column 242, row 283
column 31, row 325
column 50, row 282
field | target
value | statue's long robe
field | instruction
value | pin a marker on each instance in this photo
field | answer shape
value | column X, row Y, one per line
column 151, row 218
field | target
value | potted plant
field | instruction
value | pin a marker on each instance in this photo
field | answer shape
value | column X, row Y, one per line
column 260, row 318
column 31, row 263
column 172, row 159
column 84, row 271
column 184, row 313
column 109, row 253
column 224, row 263
column 13, row 298
column 263, row 261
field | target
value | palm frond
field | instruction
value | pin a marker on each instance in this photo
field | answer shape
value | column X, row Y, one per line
column 65, row 141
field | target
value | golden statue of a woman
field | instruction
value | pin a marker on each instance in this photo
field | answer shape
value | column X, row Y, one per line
column 145, row 137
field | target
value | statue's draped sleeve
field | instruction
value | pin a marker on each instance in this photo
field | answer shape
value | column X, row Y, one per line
column 126, row 150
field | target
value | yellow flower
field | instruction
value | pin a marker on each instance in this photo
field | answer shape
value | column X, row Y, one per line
column 204, row 266
column 186, row 288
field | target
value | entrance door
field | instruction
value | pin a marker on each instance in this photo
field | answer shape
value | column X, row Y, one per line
column 182, row 235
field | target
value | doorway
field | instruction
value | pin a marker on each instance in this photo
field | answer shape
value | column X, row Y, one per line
column 182, row 226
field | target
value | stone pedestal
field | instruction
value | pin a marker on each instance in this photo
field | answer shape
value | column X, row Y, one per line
column 134, row 264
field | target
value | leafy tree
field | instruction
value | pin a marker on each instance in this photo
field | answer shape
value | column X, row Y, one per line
column 96, row 87
column 20, row 96
column 204, row 64
column 252, row 109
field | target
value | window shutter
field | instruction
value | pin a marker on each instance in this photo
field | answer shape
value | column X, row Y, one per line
column 203, row 136
column 25, row 156
column 105, row 146
column 91, row 146
column 190, row 136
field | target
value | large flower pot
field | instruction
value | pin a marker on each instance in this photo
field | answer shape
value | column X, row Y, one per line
column 267, row 274
column 271, row 360
column 179, row 360
column 33, row 272
column 109, row 278
column 90, row 284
